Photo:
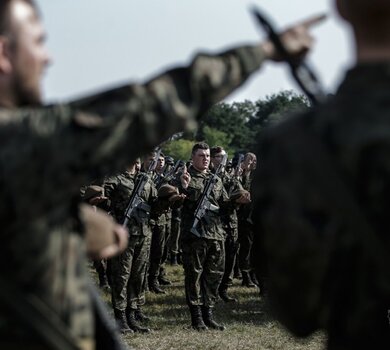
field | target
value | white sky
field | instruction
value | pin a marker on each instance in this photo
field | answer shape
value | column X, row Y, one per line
column 100, row 43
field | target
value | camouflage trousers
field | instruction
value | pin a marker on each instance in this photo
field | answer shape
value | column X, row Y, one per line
column 204, row 263
column 245, row 240
column 128, row 274
column 157, row 250
column 173, row 243
column 231, row 249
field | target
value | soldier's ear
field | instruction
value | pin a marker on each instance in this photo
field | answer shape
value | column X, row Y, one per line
column 5, row 57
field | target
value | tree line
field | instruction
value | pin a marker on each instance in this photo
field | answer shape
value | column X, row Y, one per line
column 237, row 126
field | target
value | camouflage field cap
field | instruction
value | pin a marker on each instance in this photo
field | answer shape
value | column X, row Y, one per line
column 166, row 191
column 237, row 194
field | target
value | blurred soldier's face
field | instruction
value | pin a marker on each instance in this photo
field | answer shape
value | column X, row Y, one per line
column 28, row 55
column 138, row 165
column 160, row 164
column 217, row 159
column 249, row 163
column 201, row 159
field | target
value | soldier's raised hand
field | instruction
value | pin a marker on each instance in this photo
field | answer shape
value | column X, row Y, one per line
column 297, row 40
column 185, row 177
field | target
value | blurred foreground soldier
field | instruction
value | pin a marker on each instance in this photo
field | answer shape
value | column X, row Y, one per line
column 323, row 199
column 59, row 148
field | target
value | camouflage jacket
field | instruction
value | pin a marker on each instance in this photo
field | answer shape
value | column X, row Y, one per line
column 47, row 153
column 119, row 190
column 322, row 207
column 245, row 210
column 229, row 213
column 211, row 226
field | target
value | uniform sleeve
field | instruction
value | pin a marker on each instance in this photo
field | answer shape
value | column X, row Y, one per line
column 101, row 134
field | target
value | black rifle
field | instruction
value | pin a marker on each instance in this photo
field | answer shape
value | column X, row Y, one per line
column 204, row 204
column 135, row 199
column 301, row 72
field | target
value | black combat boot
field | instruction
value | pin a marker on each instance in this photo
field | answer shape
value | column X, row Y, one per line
column 164, row 281
column 140, row 316
column 196, row 318
column 225, row 297
column 120, row 318
column 207, row 313
column 132, row 322
column 246, row 280
column 173, row 259
column 154, row 286
column 254, row 278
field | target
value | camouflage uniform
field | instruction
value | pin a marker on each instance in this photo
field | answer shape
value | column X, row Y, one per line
column 128, row 270
column 230, row 225
column 157, row 247
column 245, row 234
column 203, row 258
column 59, row 148
column 323, row 207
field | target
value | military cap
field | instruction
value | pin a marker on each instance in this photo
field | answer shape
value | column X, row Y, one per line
column 166, row 191
column 237, row 194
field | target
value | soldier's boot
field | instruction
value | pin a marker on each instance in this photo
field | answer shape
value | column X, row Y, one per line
column 208, row 318
column 252, row 274
column 173, row 259
column 120, row 318
column 164, row 281
column 225, row 297
column 154, row 287
column 133, row 323
column 197, row 322
column 140, row 316
column 246, row 280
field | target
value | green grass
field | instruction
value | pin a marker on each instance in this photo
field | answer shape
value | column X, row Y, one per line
column 248, row 323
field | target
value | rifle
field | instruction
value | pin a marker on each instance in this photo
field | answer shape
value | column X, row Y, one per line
column 135, row 199
column 204, row 203
column 301, row 72
column 170, row 174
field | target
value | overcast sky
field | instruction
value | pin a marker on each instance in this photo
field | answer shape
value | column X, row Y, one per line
column 97, row 44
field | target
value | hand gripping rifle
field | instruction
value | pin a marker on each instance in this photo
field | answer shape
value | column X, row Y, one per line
column 204, row 204
column 301, row 72
column 135, row 199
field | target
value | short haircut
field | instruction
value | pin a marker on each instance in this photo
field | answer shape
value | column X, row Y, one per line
column 5, row 6
column 199, row 145
column 215, row 150
column 249, row 155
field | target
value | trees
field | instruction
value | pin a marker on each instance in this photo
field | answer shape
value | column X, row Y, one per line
column 238, row 126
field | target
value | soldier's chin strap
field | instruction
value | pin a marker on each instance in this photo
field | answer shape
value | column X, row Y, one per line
column 301, row 72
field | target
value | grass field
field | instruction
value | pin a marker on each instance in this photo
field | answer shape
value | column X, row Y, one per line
column 248, row 324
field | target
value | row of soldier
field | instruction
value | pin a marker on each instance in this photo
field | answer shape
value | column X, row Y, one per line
column 156, row 201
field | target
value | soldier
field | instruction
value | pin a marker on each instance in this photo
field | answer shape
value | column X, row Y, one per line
column 322, row 199
column 63, row 146
column 245, row 224
column 229, row 221
column 128, row 270
column 157, row 225
column 204, row 256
